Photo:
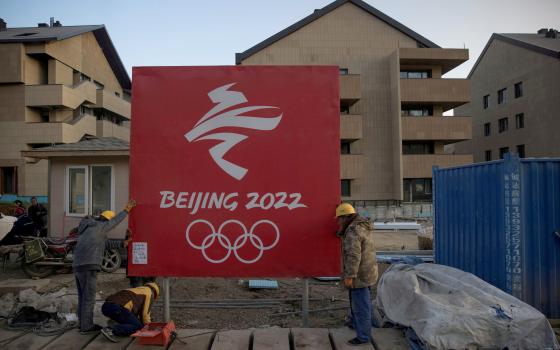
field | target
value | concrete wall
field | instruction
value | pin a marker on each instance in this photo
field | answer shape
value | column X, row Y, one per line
column 11, row 64
column 502, row 66
column 60, row 223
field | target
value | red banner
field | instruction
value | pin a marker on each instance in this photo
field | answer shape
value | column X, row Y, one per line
column 235, row 171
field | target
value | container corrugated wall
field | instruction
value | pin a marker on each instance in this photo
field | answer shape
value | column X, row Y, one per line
column 497, row 220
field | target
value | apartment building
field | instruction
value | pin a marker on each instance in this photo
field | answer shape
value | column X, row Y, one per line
column 57, row 84
column 515, row 90
column 392, row 97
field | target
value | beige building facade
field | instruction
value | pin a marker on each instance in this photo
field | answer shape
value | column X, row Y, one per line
column 57, row 85
column 392, row 97
column 515, row 89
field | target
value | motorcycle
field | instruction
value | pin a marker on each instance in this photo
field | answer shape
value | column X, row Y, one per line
column 42, row 257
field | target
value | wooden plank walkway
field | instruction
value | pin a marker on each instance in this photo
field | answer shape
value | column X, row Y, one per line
column 204, row 339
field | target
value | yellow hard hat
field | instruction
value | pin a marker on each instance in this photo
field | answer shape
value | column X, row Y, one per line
column 108, row 214
column 345, row 209
column 155, row 287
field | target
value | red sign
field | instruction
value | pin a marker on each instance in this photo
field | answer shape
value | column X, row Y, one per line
column 235, row 171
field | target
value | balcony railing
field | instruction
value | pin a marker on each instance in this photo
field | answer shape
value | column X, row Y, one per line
column 107, row 129
column 350, row 88
column 59, row 132
column 420, row 165
column 60, row 95
column 350, row 127
column 447, row 59
column 110, row 102
column 451, row 129
column 448, row 93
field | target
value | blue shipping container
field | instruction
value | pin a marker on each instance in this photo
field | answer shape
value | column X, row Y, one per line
column 498, row 220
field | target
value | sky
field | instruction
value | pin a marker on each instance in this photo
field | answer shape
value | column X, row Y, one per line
column 189, row 32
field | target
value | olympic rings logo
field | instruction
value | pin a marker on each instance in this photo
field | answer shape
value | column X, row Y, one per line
column 239, row 242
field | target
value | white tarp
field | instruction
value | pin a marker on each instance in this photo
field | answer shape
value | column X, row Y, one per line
column 452, row 309
column 6, row 224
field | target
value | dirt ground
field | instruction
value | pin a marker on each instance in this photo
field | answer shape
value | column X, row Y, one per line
column 190, row 296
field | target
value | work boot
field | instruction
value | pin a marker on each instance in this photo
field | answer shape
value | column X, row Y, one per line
column 357, row 342
column 108, row 333
column 95, row 329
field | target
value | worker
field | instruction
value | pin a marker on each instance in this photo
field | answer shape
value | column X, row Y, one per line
column 19, row 210
column 88, row 255
column 130, row 308
column 359, row 268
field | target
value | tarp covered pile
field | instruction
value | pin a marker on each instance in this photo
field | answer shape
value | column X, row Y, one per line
column 451, row 309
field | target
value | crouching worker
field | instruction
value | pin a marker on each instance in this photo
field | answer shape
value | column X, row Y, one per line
column 130, row 308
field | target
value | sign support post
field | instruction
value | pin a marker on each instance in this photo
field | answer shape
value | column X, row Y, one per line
column 305, row 303
column 166, row 301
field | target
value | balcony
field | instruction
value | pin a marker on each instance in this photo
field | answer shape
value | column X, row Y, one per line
column 58, row 95
column 447, row 59
column 350, row 88
column 58, row 132
column 107, row 100
column 447, row 129
column 107, row 129
column 449, row 93
column 351, row 166
column 420, row 165
column 350, row 127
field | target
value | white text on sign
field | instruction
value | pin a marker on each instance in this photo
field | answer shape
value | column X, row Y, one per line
column 229, row 201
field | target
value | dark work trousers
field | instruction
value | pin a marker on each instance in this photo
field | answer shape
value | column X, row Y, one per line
column 85, row 283
column 360, row 306
column 128, row 323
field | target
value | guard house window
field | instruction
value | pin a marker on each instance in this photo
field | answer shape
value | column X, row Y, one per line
column 417, row 111
column 8, row 180
column 518, row 89
column 519, row 121
column 488, row 155
column 417, row 190
column 503, row 124
column 411, row 147
column 416, row 74
column 503, row 152
column 345, row 188
column 502, row 96
column 521, row 151
column 486, row 101
column 487, row 129
column 344, row 147
column 343, row 71
column 90, row 189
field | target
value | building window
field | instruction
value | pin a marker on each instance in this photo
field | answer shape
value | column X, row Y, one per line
column 415, row 147
column 502, row 96
column 344, row 109
column 503, row 124
column 519, row 89
column 503, row 152
column 417, row 190
column 343, row 71
column 8, row 180
column 345, row 188
column 521, row 151
column 487, row 129
column 417, row 111
column 486, row 101
column 488, row 155
column 519, row 121
column 422, row 74
column 344, row 147
column 90, row 189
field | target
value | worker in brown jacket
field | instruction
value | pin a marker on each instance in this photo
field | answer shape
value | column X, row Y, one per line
column 130, row 308
column 360, row 268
